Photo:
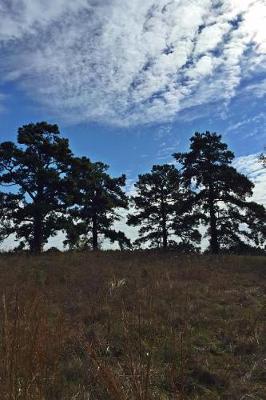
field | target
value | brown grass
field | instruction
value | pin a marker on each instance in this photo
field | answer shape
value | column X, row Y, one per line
column 139, row 326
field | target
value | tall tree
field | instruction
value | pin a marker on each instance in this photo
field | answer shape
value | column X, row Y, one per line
column 96, row 199
column 35, row 169
column 222, row 192
column 163, row 209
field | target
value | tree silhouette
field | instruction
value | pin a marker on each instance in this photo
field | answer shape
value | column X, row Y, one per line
column 36, row 171
column 46, row 189
column 222, row 193
column 95, row 199
column 163, row 209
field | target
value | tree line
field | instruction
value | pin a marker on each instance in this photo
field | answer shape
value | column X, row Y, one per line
column 45, row 189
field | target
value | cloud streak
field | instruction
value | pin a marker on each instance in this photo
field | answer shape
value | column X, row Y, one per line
column 132, row 62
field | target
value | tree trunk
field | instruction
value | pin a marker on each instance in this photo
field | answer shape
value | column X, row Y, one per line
column 213, row 224
column 37, row 241
column 94, row 233
column 38, row 221
column 165, row 238
column 164, row 227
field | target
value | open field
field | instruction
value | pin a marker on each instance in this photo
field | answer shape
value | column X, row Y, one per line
column 140, row 326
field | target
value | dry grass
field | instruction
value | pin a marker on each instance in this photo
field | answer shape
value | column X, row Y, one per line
column 139, row 326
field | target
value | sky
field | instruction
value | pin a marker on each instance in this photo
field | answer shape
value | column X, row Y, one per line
column 130, row 81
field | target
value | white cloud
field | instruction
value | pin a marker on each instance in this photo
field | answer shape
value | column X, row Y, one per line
column 257, row 89
column 211, row 36
column 131, row 61
column 23, row 17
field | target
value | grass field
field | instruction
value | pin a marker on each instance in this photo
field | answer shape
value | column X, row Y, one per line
column 139, row 326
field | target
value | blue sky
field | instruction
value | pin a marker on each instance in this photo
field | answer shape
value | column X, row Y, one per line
column 130, row 81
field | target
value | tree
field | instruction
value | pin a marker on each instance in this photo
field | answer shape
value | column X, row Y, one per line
column 222, row 192
column 35, row 169
column 163, row 209
column 96, row 197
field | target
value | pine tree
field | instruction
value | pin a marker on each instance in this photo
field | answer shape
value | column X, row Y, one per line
column 35, row 170
column 163, row 210
column 96, row 199
column 222, row 193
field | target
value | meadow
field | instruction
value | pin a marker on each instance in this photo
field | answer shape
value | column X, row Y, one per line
column 132, row 326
